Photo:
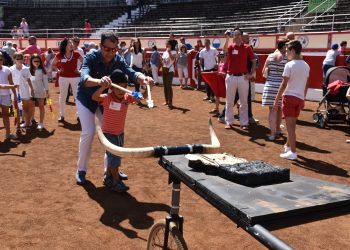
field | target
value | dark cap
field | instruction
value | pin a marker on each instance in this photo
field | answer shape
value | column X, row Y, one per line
column 118, row 76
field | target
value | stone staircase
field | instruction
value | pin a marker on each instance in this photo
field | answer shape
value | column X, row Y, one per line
column 123, row 20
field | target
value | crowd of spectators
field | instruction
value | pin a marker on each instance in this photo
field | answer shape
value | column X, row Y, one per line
column 238, row 59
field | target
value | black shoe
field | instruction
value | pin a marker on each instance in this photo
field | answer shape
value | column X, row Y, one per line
column 61, row 119
column 18, row 131
column 123, row 176
column 34, row 122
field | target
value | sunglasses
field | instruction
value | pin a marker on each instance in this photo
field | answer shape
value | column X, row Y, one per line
column 77, row 42
column 19, row 58
column 107, row 49
column 36, row 61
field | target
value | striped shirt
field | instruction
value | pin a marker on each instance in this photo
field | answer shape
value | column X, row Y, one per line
column 274, row 80
column 114, row 115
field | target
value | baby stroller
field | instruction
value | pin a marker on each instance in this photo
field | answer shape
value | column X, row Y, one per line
column 334, row 107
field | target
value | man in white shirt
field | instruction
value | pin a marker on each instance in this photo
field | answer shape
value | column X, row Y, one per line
column 76, row 42
column 9, row 49
column 209, row 61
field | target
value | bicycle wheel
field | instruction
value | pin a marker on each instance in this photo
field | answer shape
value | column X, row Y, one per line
column 156, row 237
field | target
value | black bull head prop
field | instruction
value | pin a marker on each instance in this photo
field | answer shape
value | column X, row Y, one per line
column 156, row 151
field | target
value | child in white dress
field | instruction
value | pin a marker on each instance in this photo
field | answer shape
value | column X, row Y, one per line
column 40, row 84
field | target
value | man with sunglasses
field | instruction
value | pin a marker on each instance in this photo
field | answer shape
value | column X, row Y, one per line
column 96, row 69
column 76, row 42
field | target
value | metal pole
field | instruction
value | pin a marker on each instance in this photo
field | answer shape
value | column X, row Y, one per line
column 47, row 33
column 267, row 238
column 201, row 30
column 333, row 22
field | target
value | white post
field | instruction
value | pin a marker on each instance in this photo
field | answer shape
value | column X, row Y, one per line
column 333, row 22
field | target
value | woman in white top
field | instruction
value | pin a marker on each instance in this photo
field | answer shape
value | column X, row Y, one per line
column 49, row 56
column 136, row 58
column 168, row 60
column 330, row 59
column 6, row 85
column 21, row 77
column 40, row 86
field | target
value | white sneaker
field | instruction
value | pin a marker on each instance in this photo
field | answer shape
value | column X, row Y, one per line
column 286, row 149
column 40, row 126
column 24, row 125
column 289, row 155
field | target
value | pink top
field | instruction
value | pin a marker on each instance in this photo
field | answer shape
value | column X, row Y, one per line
column 24, row 26
column 114, row 113
column 32, row 49
column 87, row 27
column 341, row 51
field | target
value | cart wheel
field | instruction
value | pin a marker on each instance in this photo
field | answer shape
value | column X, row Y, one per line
column 322, row 122
column 316, row 117
column 156, row 237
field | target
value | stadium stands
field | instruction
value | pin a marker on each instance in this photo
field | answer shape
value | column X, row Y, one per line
column 59, row 18
column 212, row 18
column 185, row 18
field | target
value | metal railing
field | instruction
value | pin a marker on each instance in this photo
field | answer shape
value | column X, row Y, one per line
column 62, row 3
column 316, row 13
column 257, row 26
column 320, row 6
column 299, row 7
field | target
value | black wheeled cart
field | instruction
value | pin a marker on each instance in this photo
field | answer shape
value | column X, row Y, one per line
column 249, row 207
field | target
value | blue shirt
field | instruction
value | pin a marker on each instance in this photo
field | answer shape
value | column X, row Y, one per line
column 155, row 58
column 94, row 67
column 127, row 58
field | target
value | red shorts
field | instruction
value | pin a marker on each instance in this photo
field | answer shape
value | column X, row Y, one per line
column 291, row 106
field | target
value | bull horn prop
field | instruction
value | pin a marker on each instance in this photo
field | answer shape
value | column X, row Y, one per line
column 135, row 94
column 158, row 150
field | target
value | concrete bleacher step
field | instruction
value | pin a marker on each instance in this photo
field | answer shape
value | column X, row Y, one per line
column 121, row 20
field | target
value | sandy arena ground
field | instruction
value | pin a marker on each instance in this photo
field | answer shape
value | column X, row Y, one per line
column 41, row 207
